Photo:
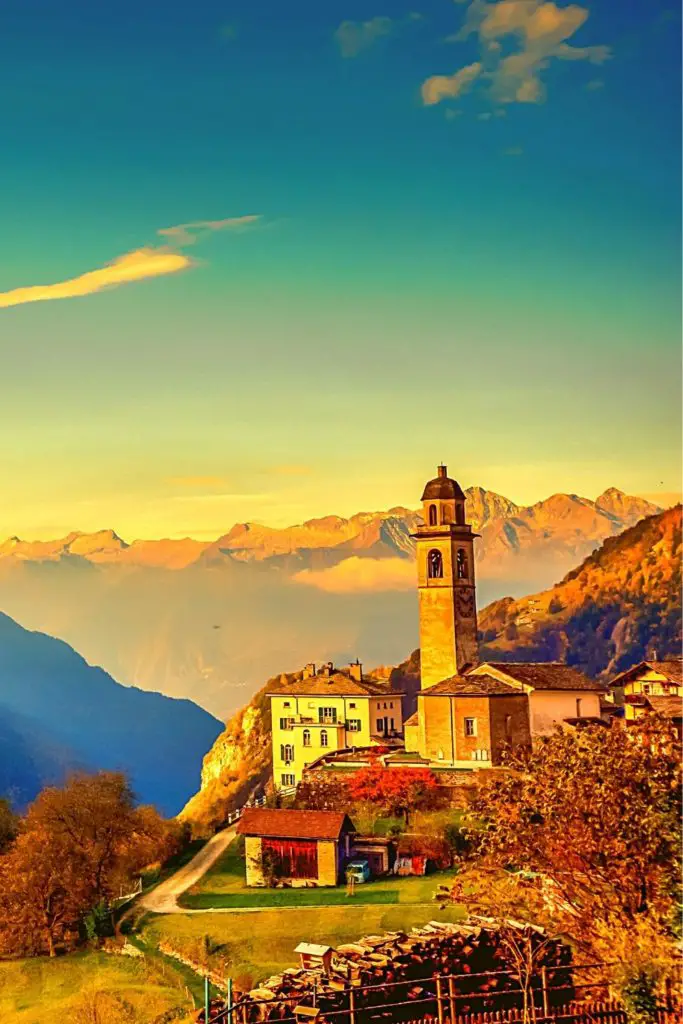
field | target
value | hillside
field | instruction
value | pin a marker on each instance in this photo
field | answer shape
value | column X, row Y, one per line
column 210, row 621
column 622, row 602
column 58, row 713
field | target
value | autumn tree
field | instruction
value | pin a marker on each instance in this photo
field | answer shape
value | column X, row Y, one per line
column 396, row 790
column 8, row 824
column 582, row 835
column 77, row 845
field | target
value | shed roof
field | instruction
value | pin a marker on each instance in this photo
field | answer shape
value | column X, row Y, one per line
column 543, row 675
column 279, row 823
column 669, row 707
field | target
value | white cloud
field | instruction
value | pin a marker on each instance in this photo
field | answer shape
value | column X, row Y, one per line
column 539, row 29
column 148, row 261
column 441, row 87
column 360, row 575
column 354, row 36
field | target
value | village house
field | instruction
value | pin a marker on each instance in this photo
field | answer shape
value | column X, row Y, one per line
column 329, row 710
column 651, row 687
column 297, row 848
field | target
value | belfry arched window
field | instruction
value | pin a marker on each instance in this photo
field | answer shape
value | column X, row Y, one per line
column 462, row 564
column 435, row 565
column 432, row 515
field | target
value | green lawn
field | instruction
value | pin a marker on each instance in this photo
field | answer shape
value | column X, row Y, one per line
column 44, row 991
column 224, row 886
column 254, row 945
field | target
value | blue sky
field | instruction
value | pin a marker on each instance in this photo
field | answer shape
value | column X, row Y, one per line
column 492, row 278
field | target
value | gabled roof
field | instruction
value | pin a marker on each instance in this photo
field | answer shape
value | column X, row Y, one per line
column 413, row 720
column 542, row 675
column 471, row 686
column 278, row 823
column 670, row 668
column 337, row 684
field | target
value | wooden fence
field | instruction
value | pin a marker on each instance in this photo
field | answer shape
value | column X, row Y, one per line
column 572, row 1013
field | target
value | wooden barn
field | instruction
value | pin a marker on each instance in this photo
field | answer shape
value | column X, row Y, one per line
column 297, row 848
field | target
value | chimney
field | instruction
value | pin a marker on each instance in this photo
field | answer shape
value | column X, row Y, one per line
column 356, row 671
column 443, row 470
column 309, row 670
column 327, row 669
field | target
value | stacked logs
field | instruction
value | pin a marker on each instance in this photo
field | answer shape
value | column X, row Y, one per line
column 472, row 960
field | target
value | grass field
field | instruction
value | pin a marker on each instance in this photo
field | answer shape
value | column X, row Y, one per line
column 255, row 944
column 224, row 886
column 43, row 991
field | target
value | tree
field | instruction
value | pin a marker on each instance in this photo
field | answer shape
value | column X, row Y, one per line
column 397, row 790
column 8, row 824
column 76, row 847
column 583, row 835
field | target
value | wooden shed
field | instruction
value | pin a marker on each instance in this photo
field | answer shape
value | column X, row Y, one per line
column 295, row 848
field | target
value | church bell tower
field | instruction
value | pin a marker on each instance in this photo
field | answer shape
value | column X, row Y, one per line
column 445, row 579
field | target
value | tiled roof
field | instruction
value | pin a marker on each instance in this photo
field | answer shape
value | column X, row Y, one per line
column 338, row 684
column 284, row 824
column 670, row 707
column 470, row 686
column 671, row 668
column 413, row 720
column 545, row 675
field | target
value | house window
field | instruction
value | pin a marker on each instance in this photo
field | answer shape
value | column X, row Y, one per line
column 323, row 738
column 352, row 704
column 307, row 737
column 432, row 515
column 578, row 707
column 287, row 779
column 391, row 704
column 646, row 687
column 480, row 755
column 470, row 727
column 391, row 724
column 287, row 752
column 328, row 715
column 380, row 725
column 286, row 704
column 435, row 565
column 286, row 723
column 353, row 725
column 462, row 564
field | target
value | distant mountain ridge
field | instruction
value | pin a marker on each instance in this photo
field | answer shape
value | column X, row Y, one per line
column 210, row 620
column 378, row 534
column 57, row 714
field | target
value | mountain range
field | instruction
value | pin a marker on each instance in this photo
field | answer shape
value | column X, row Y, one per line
column 619, row 606
column 59, row 714
column 209, row 620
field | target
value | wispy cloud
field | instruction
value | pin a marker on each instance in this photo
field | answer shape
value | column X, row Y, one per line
column 148, row 261
column 198, row 481
column 513, row 151
column 537, row 30
column 361, row 575
column 354, row 36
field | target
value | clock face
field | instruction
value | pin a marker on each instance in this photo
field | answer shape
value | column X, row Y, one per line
column 465, row 603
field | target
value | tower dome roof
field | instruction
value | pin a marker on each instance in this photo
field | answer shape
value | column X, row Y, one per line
column 443, row 488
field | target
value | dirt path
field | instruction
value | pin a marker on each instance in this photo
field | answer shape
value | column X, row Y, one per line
column 164, row 898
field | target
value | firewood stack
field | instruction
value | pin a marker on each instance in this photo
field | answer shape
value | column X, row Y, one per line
column 463, row 952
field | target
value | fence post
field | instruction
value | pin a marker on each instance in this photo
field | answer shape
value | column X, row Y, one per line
column 352, row 1006
column 439, row 997
column 544, row 983
column 451, row 1000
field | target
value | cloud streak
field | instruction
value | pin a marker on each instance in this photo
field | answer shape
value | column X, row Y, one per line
column 146, row 262
column 534, row 33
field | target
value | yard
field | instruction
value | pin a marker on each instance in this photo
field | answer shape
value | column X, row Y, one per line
column 251, row 945
column 224, row 886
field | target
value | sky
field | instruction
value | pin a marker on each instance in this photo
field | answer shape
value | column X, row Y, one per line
column 270, row 261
